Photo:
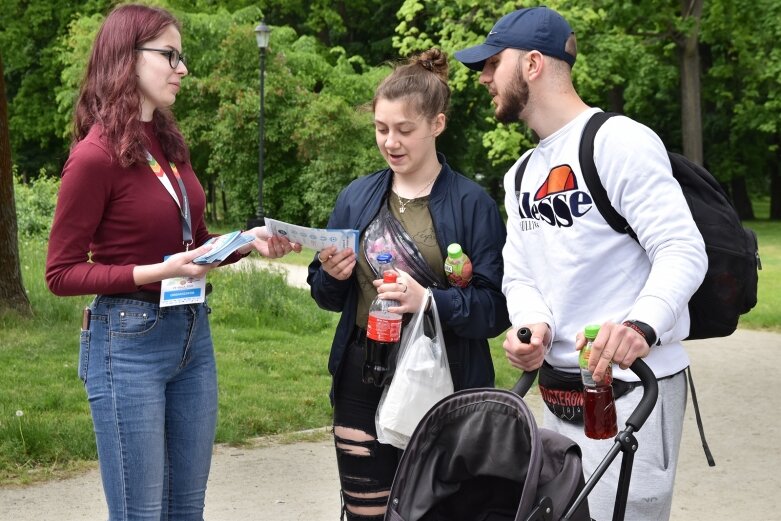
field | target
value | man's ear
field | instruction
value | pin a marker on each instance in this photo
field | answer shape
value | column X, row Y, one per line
column 534, row 64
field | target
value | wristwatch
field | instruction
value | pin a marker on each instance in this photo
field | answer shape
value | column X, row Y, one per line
column 645, row 330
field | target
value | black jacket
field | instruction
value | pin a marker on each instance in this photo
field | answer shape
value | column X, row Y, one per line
column 462, row 212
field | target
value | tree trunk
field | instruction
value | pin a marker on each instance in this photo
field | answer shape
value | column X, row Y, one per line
column 12, row 294
column 615, row 97
column 211, row 208
column 741, row 199
column 775, row 185
column 691, row 114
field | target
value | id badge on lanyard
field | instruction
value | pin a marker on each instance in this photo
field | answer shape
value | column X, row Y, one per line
column 179, row 290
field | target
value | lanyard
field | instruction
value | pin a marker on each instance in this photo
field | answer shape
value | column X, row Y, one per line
column 184, row 206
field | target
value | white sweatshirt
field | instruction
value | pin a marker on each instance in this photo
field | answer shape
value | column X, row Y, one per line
column 565, row 266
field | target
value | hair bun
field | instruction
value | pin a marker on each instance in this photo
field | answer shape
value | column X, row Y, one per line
column 434, row 61
column 422, row 80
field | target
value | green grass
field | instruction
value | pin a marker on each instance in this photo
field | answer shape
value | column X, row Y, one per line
column 767, row 313
column 272, row 345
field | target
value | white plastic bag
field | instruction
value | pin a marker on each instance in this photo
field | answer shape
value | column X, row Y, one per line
column 422, row 378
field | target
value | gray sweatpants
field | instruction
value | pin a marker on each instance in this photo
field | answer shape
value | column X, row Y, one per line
column 656, row 459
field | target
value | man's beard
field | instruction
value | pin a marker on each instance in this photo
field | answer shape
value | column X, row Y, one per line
column 514, row 100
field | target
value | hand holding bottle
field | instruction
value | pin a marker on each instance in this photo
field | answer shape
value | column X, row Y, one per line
column 405, row 290
column 616, row 343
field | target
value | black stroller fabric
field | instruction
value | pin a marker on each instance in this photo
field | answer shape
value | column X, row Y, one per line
column 478, row 455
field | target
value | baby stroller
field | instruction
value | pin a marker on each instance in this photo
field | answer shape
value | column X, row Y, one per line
column 478, row 455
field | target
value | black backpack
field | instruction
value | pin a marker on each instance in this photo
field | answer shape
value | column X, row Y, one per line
column 730, row 285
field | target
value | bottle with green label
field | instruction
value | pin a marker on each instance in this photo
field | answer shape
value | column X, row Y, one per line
column 458, row 267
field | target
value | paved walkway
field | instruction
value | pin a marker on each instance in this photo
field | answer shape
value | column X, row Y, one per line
column 737, row 385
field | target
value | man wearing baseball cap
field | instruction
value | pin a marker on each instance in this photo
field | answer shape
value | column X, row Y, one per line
column 565, row 267
column 537, row 28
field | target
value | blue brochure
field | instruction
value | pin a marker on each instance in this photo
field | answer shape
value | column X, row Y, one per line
column 224, row 245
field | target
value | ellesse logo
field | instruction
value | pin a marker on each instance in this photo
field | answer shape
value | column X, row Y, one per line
column 558, row 202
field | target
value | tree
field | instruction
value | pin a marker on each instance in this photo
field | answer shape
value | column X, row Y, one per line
column 12, row 294
column 316, row 139
column 744, row 95
column 644, row 59
column 29, row 35
column 689, row 50
column 362, row 27
column 639, row 58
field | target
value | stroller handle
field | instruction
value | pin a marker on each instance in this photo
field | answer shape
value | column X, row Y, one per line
column 639, row 367
column 650, row 394
column 526, row 380
column 525, row 383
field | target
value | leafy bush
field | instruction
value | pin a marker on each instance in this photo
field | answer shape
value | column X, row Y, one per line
column 35, row 202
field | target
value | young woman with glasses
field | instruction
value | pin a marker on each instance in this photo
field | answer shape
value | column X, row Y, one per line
column 130, row 213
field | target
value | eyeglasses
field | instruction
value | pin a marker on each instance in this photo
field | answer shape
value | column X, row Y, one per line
column 174, row 56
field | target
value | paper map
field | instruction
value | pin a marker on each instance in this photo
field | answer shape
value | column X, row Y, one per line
column 314, row 238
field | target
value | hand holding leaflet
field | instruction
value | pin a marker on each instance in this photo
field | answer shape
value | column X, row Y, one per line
column 223, row 246
column 314, row 238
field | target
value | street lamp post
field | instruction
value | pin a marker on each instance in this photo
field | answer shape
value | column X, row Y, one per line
column 262, row 34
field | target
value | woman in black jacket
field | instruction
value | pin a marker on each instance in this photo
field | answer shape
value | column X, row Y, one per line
column 416, row 204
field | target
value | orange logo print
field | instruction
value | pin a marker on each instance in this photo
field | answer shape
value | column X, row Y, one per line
column 560, row 179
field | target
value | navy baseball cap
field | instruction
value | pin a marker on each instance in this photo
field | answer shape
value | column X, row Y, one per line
column 530, row 29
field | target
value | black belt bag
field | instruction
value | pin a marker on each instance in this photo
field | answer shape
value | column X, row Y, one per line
column 562, row 392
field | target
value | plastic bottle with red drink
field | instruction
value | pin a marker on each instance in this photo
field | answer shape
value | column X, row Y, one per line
column 383, row 331
column 599, row 406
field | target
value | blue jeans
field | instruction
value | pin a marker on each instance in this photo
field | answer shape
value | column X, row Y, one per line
column 151, row 381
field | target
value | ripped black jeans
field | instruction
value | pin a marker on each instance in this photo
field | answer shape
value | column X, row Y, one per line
column 366, row 467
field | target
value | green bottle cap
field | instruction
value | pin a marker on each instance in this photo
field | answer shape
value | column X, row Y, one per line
column 454, row 250
column 592, row 331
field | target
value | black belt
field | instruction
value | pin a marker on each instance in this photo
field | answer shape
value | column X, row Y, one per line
column 144, row 296
column 153, row 297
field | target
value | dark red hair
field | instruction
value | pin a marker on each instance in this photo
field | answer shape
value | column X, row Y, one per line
column 109, row 94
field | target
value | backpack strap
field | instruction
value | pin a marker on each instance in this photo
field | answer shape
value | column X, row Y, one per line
column 594, row 184
column 705, row 447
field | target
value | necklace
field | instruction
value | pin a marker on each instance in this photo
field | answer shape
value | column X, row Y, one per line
column 402, row 203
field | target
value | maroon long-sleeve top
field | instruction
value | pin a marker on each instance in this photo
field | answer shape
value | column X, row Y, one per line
column 121, row 217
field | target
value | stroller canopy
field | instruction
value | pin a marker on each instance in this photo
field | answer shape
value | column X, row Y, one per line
column 478, row 455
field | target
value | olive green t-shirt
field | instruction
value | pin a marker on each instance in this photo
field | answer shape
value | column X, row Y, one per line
column 417, row 221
